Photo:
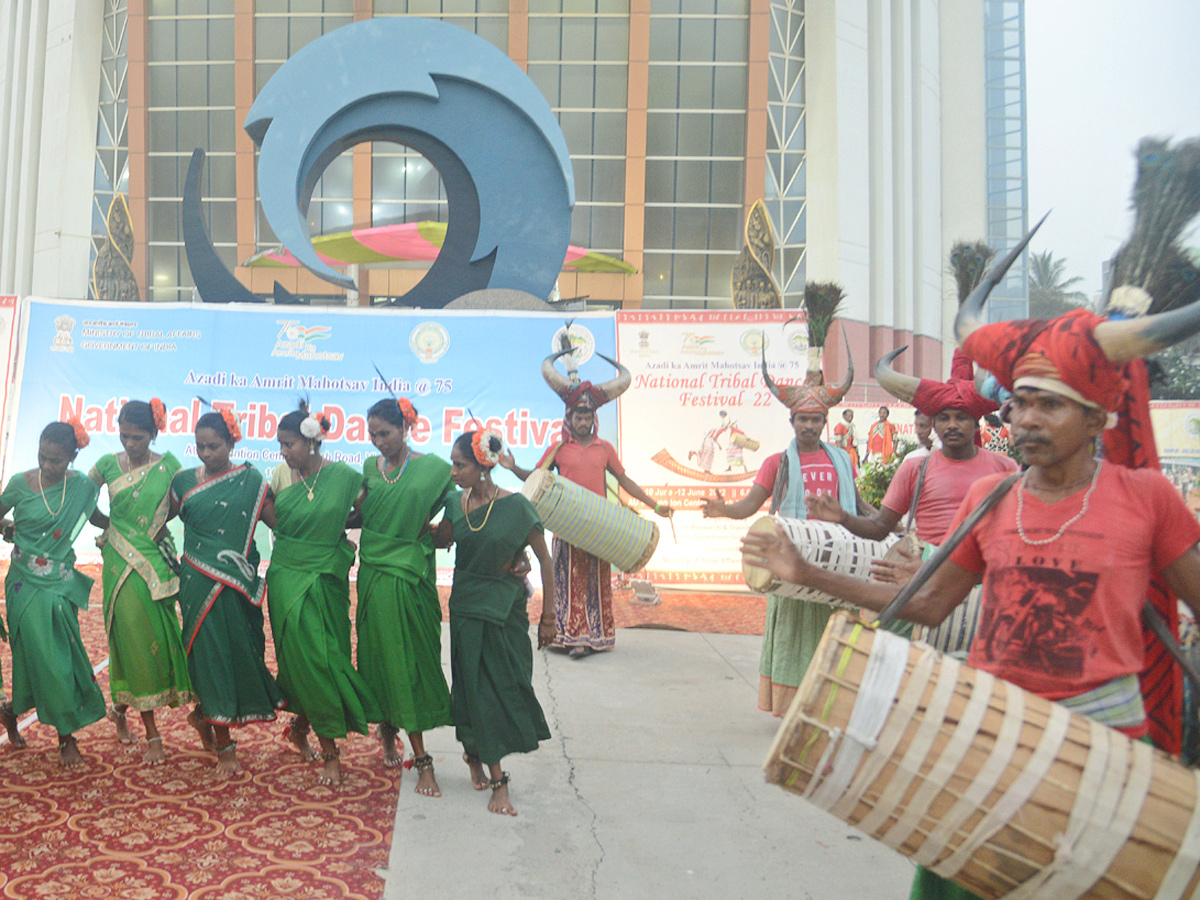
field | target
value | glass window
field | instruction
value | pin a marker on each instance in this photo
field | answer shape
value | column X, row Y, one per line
column 608, row 229
column 608, row 180
column 609, row 134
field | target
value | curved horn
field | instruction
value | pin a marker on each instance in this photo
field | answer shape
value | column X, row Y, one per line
column 1130, row 339
column 615, row 387
column 557, row 383
column 783, row 395
column 901, row 386
column 968, row 318
column 840, row 391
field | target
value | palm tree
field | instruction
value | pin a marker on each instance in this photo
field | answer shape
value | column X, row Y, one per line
column 1049, row 294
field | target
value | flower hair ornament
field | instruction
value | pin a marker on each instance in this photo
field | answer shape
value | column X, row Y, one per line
column 231, row 423
column 159, row 411
column 407, row 410
column 487, row 445
column 82, row 439
column 314, row 426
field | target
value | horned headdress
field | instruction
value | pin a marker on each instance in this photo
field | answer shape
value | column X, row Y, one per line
column 821, row 302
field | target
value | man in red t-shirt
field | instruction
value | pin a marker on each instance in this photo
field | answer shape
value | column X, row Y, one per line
column 583, row 583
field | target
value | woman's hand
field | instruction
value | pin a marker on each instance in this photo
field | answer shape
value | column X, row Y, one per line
column 776, row 554
column 519, row 566
column 546, row 633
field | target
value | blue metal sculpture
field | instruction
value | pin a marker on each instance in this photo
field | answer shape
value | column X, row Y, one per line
column 457, row 100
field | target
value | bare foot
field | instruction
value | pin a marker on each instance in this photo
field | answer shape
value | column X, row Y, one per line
column 207, row 741
column 68, row 753
column 500, row 802
column 8, row 719
column 297, row 733
column 227, row 761
column 331, row 772
column 154, row 755
column 427, row 785
column 392, row 754
column 479, row 779
column 117, row 717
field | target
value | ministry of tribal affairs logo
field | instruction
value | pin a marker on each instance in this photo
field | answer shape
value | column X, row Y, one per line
column 297, row 341
column 62, row 339
column 429, row 341
column 583, row 342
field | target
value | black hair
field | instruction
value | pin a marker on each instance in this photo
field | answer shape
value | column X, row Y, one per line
column 61, row 435
column 138, row 414
column 291, row 422
column 389, row 411
column 216, row 422
column 465, row 446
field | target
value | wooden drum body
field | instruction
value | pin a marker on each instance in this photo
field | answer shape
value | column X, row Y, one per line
column 1003, row 792
column 609, row 531
column 823, row 544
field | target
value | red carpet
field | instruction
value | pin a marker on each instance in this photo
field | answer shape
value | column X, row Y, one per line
column 116, row 829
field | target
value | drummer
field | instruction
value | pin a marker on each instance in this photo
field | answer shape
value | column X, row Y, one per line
column 793, row 627
column 1067, row 557
column 583, row 586
column 943, row 476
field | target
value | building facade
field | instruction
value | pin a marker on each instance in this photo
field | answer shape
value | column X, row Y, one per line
column 876, row 134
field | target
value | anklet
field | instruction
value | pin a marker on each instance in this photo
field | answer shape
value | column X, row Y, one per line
column 299, row 727
column 330, row 757
column 153, row 739
column 499, row 782
column 421, row 763
column 386, row 730
column 228, row 748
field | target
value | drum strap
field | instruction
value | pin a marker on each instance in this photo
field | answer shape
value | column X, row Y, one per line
column 912, row 507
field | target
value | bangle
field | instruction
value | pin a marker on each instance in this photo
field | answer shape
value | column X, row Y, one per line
column 546, row 621
column 657, row 507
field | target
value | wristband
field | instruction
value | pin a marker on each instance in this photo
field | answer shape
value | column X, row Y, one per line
column 657, row 507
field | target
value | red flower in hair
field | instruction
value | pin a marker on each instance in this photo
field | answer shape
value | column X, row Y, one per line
column 81, row 436
column 323, row 419
column 487, row 445
column 231, row 422
column 159, row 409
column 406, row 410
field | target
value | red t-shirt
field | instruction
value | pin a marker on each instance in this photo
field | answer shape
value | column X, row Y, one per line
column 1065, row 618
column 585, row 465
column 946, row 483
column 819, row 473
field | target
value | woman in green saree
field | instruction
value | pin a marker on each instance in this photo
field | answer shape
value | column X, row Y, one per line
column 44, row 592
column 147, row 668
column 399, row 616
column 308, row 591
column 491, row 662
column 220, row 591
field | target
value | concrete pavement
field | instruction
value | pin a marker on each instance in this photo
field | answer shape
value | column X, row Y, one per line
column 650, row 787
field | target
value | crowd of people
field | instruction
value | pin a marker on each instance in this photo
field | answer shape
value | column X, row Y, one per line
column 187, row 629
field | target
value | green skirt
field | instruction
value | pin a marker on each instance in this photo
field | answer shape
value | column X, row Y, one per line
column 51, row 669
column 399, row 627
column 312, row 648
column 147, row 667
column 495, row 709
column 929, row 886
column 225, row 657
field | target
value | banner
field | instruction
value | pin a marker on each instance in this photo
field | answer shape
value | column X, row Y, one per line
column 89, row 358
column 8, row 361
column 699, row 419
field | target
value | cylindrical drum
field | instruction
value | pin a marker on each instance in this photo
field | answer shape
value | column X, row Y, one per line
column 746, row 443
column 957, row 631
column 823, row 544
column 610, row 531
column 1004, row 793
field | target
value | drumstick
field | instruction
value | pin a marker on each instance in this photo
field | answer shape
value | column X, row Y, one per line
column 671, row 519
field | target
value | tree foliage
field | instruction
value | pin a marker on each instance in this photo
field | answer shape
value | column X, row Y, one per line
column 1050, row 292
column 874, row 476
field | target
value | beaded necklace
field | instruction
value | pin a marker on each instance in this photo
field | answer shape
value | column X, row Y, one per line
column 403, row 466
column 61, row 503
column 1065, row 525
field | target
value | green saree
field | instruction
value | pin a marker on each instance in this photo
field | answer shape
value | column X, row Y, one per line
column 308, row 593
column 399, row 616
column 491, row 659
column 221, row 595
column 44, row 593
column 147, row 667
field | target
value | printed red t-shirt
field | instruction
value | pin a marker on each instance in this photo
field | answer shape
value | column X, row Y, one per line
column 819, row 473
column 1064, row 618
column 585, row 465
column 946, row 483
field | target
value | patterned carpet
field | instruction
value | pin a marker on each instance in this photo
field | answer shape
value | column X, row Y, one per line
column 116, row 830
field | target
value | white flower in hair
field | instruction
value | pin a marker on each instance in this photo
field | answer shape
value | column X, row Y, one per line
column 311, row 428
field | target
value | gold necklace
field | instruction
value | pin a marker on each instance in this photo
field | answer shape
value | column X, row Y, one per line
column 486, row 515
column 128, row 470
column 61, row 503
column 314, row 481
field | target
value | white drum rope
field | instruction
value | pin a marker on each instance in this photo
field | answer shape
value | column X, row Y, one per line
column 1183, row 867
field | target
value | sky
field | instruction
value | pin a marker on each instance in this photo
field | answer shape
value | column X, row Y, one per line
column 1101, row 75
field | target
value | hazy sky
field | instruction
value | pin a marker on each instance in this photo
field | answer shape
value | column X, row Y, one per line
column 1102, row 74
